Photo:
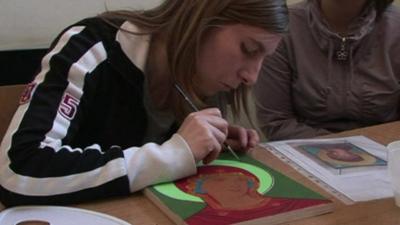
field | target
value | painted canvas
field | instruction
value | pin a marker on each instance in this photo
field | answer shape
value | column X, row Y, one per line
column 340, row 155
column 237, row 192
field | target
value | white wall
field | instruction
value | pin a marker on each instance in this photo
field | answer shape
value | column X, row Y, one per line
column 27, row 24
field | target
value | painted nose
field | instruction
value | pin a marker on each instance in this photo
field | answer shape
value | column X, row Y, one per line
column 250, row 74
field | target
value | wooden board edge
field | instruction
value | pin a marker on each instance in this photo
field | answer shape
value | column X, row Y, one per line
column 164, row 209
column 292, row 215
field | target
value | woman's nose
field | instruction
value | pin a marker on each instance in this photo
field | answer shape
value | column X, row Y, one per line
column 250, row 73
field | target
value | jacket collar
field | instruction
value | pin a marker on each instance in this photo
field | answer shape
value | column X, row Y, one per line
column 128, row 54
column 135, row 47
column 360, row 27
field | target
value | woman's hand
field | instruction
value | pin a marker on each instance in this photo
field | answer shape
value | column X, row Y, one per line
column 242, row 139
column 205, row 132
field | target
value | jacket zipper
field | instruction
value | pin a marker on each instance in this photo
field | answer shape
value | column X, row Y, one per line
column 342, row 54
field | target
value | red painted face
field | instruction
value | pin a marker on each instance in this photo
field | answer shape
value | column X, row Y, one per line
column 225, row 187
column 344, row 155
column 233, row 184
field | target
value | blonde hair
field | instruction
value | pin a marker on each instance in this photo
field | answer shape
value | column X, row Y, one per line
column 184, row 22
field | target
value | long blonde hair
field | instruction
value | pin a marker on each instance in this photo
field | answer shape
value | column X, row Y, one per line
column 183, row 23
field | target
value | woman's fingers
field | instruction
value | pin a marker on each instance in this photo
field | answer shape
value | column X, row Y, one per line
column 204, row 131
column 242, row 139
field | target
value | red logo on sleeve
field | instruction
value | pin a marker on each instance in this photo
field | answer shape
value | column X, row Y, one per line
column 27, row 93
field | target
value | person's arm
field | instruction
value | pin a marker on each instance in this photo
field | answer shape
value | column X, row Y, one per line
column 39, row 162
column 274, row 105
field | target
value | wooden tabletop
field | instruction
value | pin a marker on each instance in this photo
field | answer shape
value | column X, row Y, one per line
column 138, row 210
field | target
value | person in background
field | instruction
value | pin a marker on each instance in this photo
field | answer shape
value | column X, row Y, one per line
column 104, row 116
column 337, row 69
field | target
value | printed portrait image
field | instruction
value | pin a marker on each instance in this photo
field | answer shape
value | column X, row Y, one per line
column 340, row 155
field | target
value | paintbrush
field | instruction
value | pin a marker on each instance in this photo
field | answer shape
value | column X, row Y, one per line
column 194, row 108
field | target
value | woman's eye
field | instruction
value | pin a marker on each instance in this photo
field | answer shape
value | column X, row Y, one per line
column 249, row 49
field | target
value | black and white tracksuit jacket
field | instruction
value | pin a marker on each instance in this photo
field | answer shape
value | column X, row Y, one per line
column 78, row 132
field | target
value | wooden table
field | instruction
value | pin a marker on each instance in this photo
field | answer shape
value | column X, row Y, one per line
column 138, row 210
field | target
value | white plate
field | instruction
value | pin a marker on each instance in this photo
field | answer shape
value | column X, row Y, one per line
column 57, row 215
